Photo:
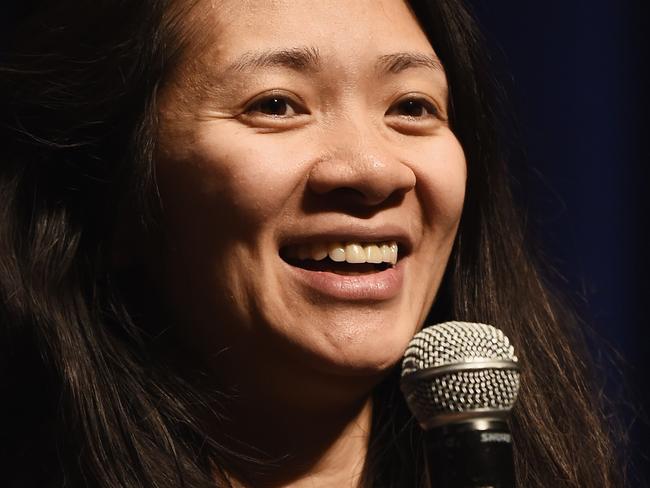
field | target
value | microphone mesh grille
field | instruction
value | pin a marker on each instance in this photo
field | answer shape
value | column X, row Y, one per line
column 451, row 345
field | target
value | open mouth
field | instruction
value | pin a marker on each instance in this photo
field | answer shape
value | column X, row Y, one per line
column 327, row 265
column 352, row 258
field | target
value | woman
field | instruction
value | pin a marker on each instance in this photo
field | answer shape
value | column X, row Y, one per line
column 224, row 220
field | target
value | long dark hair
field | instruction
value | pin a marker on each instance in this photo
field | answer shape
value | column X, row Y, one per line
column 86, row 399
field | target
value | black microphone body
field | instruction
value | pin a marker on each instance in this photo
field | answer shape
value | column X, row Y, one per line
column 472, row 454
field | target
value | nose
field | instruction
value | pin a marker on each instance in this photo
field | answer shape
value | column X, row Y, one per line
column 362, row 172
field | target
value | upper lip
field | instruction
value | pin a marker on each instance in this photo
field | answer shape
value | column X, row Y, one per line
column 352, row 233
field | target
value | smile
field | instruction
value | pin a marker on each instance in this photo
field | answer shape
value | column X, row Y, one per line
column 350, row 270
column 351, row 252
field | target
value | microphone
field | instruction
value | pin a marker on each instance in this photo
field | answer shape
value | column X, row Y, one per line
column 460, row 381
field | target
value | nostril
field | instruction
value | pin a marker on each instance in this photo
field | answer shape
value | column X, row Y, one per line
column 367, row 196
column 366, row 180
column 354, row 201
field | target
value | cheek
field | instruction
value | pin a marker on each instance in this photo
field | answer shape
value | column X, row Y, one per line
column 228, row 177
column 222, row 191
column 442, row 178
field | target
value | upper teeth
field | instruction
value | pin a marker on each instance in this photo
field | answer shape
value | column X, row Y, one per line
column 351, row 252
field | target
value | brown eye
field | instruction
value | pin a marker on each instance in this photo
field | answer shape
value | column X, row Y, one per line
column 413, row 108
column 274, row 106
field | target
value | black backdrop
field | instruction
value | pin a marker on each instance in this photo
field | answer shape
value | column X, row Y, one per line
column 579, row 80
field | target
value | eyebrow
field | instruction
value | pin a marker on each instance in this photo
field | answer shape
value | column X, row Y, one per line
column 297, row 59
column 397, row 62
column 309, row 59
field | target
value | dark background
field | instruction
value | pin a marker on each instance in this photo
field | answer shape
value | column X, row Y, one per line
column 577, row 73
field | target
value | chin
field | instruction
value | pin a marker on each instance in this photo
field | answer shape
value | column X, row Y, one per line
column 372, row 358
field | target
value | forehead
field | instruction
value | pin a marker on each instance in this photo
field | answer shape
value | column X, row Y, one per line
column 342, row 29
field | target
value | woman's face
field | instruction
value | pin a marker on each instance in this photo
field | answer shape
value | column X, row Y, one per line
column 294, row 130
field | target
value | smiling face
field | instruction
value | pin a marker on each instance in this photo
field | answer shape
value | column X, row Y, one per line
column 302, row 129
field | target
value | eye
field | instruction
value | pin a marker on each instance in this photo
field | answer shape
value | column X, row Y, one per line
column 273, row 106
column 414, row 108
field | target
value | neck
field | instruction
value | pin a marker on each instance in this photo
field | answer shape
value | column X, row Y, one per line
column 300, row 449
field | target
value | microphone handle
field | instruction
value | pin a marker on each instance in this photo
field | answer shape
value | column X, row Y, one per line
column 472, row 454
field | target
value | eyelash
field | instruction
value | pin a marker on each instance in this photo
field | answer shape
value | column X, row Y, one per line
column 419, row 102
column 256, row 107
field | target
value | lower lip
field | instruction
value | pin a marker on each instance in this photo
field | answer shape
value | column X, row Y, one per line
column 379, row 286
